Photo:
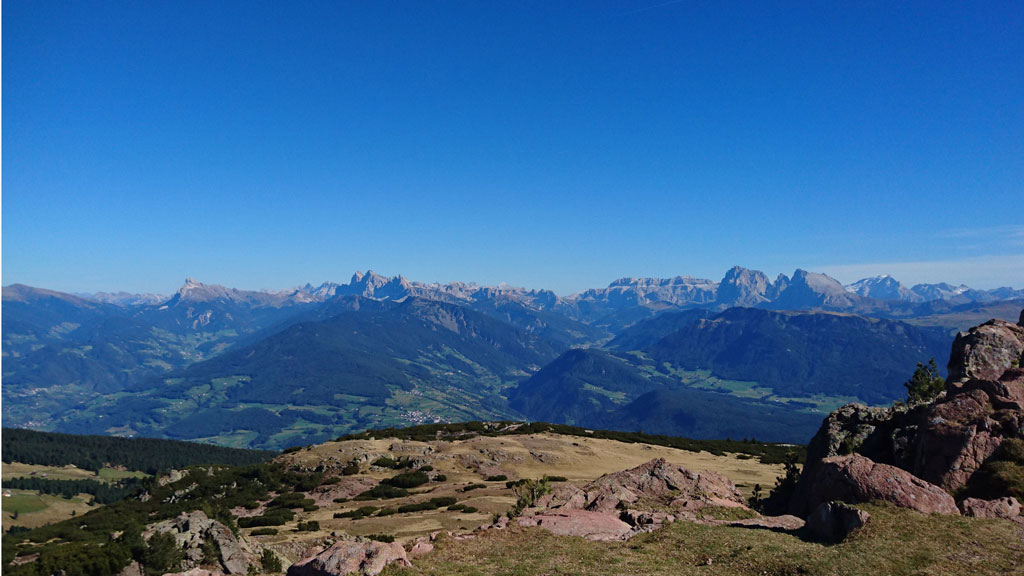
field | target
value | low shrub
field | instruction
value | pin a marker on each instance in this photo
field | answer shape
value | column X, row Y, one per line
column 274, row 517
column 263, row 532
column 474, row 487
column 311, row 526
column 408, row 480
column 386, row 538
column 383, row 492
column 497, row 478
column 432, row 504
column 361, row 512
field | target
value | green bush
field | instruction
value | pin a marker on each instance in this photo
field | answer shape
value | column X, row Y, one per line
column 310, row 526
column 386, row 538
column 527, row 492
column 469, row 510
column 394, row 464
column 162, row 554
column 273, row 517
column 498, row 478
column 264, row 532
column 387, row 512
column 432, row 504
column 350, row 469
column 474, row 487
column 291, row 500
column 383, row 492
column 358, row 513
column 269, row 561
column 925, row 384
column 408, row 480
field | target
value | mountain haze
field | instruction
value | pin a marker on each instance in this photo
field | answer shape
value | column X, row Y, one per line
column 274, row 368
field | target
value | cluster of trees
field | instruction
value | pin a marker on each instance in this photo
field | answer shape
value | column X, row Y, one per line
column 82, row 546
column 149, row 455
column 102, row 493
column 767, row 453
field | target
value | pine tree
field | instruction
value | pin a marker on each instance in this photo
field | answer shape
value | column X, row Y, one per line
column 925, row 384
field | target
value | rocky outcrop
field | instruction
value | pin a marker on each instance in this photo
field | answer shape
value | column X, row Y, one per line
column 854, row 479
column 619, row 505
column 132, row 569
column 944, row 442
column 351, row 557
column 998, row 508
column 656, row 484
column 783, row 523
column 584, row 523
column 834, row 521
column 986, row 351
column 191, row 530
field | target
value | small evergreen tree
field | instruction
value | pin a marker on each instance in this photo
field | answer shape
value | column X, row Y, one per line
column 162, row 554
column 925, row 384
column 270, row 561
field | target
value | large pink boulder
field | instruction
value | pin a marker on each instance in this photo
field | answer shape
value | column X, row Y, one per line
column 854, row 479
column 656, row 482
column 583, row 523
column 999, row 508
column 351, row 557
column 986, row 351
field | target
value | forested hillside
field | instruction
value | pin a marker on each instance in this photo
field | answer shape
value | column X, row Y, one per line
column 149, row 455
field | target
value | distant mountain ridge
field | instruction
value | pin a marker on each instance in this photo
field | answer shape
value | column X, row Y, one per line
column 738, row 287
column 271, row 368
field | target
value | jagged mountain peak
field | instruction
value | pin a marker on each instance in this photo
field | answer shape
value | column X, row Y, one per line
column 743, row 287
column 883, row 287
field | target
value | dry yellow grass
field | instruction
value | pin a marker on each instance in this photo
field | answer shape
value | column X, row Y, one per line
column 469, row 461
column 69, row 472
column 895, row 542
column 44, row 508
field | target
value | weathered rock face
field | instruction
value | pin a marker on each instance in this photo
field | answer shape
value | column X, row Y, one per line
column 998, row 508
column 351, row 557
column 195, row 572
column 854, row 479
column 986, row 351
column 192, row 529
column 947, row 441
column 847, row 429
column 655, row 483
column 834, row 521
column 584, row 523
column 619, row 505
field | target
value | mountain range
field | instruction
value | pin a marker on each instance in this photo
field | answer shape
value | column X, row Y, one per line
column 743, row 356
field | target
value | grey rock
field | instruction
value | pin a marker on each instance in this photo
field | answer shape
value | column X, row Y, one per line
column 834, row 521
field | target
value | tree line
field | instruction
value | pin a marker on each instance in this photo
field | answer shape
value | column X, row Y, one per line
column 149, row 455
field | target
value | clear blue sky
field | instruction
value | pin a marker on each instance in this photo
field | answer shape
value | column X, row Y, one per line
column 544, row 144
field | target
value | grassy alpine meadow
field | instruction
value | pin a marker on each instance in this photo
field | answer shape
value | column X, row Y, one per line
column 895, row 542
column 34, row 509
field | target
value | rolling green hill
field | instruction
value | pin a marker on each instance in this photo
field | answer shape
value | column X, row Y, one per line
column 417, row 361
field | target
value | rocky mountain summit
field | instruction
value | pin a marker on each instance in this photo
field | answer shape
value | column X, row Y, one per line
column 965, row 445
